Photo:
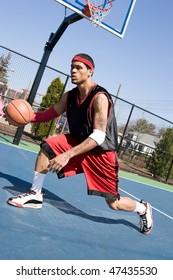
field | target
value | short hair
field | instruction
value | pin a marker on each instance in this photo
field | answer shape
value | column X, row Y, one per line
column 87, row 57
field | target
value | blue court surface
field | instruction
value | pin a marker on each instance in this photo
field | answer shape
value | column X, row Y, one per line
column 74, row 226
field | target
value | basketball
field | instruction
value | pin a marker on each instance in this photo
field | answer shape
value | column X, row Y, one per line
column 18, row 112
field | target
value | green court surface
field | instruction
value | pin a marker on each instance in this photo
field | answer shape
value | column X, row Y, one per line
column 123, row 174
column 23, row 144
column 146, row 181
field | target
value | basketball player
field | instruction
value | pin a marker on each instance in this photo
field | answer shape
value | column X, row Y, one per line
column 89, row 148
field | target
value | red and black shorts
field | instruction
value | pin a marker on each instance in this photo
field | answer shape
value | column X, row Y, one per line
column 99, row 167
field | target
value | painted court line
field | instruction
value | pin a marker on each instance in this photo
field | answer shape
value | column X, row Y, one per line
column 161, row 212
column 166, row 215
column 153, row 186
column 20, row 148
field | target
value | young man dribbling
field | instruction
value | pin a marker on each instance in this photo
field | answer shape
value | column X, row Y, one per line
column 89, row 148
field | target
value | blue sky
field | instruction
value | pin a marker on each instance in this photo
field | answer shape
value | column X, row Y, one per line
column 141, row 62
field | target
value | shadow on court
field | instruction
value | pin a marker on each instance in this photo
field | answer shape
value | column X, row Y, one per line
column 72, row 225
column 63, row 205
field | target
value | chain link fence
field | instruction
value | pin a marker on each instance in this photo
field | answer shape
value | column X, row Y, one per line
column 135, row 145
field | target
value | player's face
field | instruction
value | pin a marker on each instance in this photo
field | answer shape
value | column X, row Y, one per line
column 79, row 72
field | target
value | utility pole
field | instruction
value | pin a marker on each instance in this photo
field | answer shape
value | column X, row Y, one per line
column 118, row 91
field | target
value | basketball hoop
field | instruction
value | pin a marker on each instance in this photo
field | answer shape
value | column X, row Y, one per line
column 96, row 10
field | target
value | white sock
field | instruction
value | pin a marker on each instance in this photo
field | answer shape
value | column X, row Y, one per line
column 38, row 181
column 140, row 208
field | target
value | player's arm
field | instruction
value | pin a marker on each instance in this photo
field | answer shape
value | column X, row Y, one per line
column 100, row 114
column 51, row 113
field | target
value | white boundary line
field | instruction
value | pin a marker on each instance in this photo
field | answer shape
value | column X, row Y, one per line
column 18, row 147
column 119, row 188
column 145, row 184
column 151, row 206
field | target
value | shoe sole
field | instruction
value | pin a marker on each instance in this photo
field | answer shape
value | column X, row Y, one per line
column 34, row 206
column 150, row 208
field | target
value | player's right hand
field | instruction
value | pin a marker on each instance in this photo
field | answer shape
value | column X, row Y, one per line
column 4, row 114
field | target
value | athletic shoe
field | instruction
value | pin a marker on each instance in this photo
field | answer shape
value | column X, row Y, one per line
column 146, row 219
column 31, row 199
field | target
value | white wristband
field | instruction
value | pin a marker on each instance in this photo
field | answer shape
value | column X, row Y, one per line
column 98, row 136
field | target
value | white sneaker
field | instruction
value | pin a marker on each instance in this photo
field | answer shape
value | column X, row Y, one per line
column 146, row 219
column 31, row 199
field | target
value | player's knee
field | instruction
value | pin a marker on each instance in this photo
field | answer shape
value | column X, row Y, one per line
column 112, row 203
column 43, row 153
column 42, row 161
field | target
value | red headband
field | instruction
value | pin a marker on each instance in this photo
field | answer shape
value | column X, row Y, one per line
column 85, row 61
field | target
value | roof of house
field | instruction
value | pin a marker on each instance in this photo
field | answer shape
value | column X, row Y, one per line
column 145, row 139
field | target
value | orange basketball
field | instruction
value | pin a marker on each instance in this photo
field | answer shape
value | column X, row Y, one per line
column 18, row 112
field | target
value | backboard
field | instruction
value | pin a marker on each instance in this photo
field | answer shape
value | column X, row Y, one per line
column 115, row 22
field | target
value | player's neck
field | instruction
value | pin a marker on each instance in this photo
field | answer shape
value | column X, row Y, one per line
column 84, row 90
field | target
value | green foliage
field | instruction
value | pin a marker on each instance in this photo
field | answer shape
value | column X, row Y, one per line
column 142, row 126
column 160, row 162
column 53, row 95
column 4, row 65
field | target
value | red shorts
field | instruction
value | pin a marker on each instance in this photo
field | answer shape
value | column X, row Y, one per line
column 99, row 167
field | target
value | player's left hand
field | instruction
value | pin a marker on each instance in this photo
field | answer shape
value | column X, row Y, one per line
column 58, row 162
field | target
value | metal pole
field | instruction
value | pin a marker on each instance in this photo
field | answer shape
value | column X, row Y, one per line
column 169, row 171
column 63, row 90
column 118, row 91
column 53, row 39
column 124, row 132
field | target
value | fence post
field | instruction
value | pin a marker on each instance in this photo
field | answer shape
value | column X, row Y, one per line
column 124, row 132
column 167, row 177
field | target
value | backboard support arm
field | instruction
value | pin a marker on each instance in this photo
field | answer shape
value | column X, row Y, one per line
column 50, row 44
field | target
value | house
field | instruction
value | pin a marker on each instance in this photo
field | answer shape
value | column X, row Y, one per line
column 141, row 142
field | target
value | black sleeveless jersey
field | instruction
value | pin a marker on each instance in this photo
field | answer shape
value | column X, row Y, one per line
column 79, row 118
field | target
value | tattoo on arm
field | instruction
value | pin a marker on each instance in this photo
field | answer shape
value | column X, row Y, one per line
column 100, row 106
column 100, row 111
column 82, row 148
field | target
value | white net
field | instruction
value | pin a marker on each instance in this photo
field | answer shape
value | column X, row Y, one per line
column 98, row 10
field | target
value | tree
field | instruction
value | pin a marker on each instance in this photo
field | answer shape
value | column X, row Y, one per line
column 53, row 95
column 161, row 131
column 142, row 126
column 4, row 64
column 160, row 162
